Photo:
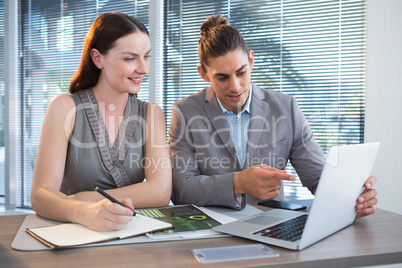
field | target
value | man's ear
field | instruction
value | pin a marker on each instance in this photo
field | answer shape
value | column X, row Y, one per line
column 203, row 74
column 251, row 58
column 96, row 57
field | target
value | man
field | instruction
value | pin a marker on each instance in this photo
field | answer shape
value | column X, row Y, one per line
column 230, row 142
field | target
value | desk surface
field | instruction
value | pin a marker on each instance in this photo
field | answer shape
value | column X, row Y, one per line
column 372, row 240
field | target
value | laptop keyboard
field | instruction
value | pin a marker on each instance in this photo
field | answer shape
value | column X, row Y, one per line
column 290, row 230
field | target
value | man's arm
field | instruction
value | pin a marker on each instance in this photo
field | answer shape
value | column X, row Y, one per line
column 189, row 185
column 198, row 179
column 306, row 155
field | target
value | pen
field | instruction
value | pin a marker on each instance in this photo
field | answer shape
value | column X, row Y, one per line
column 111, row 198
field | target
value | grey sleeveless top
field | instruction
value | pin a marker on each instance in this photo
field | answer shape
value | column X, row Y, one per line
column 91, row 159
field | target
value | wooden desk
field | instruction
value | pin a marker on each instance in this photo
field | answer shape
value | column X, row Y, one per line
column 373, row 240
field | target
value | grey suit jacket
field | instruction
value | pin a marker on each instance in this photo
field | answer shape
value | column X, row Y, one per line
column 204, row 158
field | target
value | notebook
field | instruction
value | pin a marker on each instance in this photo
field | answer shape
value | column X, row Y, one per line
column 71, row 234
column 345, row 171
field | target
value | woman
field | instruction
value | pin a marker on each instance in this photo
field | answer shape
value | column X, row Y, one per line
column 102, row 136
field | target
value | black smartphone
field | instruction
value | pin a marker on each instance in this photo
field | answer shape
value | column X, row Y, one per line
column 281, row 204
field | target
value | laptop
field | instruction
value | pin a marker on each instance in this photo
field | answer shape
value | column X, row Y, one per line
column 345, row 171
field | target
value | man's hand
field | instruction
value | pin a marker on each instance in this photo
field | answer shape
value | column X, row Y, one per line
column 366, row 201
column 260, row 181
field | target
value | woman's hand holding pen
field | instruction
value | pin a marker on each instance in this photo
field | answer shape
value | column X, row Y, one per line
column 107, row 216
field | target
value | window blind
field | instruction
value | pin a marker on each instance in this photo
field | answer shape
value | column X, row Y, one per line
column 53, row 34
column 313, row 50
column 2, row 151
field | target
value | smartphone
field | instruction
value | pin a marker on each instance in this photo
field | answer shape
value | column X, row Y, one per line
column 281, row 204
column 233, row 253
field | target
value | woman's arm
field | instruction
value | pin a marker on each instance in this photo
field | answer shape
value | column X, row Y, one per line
column 46, row 198
column 156, row 190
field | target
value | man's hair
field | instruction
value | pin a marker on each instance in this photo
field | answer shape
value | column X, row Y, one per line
column 217, row 39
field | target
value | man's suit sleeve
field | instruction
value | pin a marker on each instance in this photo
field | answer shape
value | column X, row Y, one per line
column 306, row 155
column 189, row 186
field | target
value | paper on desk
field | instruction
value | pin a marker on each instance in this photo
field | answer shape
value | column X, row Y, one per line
column 200, row 233
column 184, row 235
column 223, row 219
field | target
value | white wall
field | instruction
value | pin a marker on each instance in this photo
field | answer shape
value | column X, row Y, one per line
column 384, row 98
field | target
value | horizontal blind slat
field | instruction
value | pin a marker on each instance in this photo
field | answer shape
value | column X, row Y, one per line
column 322, row 44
